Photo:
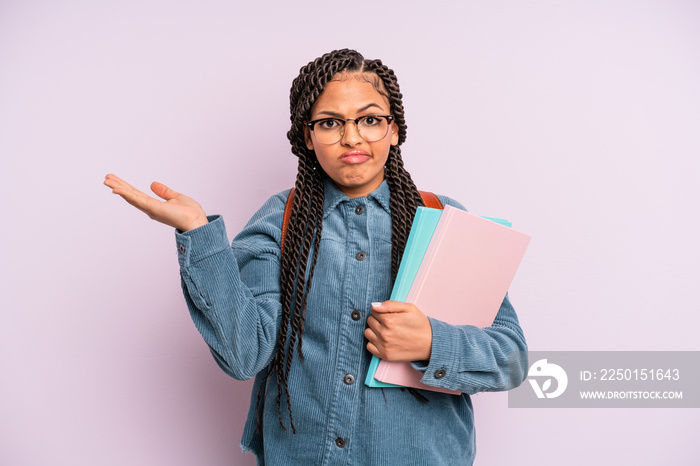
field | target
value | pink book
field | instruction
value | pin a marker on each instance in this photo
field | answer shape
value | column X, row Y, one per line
column 462, row 280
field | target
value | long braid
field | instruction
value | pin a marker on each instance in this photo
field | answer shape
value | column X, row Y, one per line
column 305, row 223
column 308, row 197
column 403, row 203
column 405, row 197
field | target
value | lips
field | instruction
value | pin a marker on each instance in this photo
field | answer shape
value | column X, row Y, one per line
column 355, row 156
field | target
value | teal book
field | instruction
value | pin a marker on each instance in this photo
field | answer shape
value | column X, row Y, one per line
column 422, row 229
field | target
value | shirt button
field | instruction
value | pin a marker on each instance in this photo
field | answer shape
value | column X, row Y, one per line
column 359, row 210
column 182, row 248
column 440, row 373
column 356, row 315
column 349, row 379
column 360, row 256
column 340, row 442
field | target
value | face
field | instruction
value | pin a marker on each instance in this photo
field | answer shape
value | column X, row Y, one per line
column 355, row 165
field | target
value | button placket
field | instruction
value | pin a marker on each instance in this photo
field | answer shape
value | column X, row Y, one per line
column 350, row 345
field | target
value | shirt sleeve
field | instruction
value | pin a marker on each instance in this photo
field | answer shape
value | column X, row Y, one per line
column 472, row 359
column 233, row 292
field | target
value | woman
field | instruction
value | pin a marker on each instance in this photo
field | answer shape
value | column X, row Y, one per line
column 304, row 317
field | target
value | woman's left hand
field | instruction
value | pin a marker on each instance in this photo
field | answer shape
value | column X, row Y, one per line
column 399, row 331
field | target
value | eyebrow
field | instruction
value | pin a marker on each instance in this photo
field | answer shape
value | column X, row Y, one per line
column 360, row 110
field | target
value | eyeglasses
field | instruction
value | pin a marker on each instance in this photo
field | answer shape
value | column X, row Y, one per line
column 371, row 128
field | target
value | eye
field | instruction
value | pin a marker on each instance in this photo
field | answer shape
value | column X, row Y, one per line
column 370, row 120
column 327, row 124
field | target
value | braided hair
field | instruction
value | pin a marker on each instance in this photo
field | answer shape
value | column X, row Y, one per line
column 305, row 224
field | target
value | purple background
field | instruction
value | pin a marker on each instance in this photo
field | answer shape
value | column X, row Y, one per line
column 578, row 121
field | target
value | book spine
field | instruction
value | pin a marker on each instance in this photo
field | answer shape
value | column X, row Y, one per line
column 428, row 258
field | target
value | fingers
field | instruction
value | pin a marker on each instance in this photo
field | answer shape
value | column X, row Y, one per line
column 143, row 202
column 114, row 182
column 376, row 334
column 398, row 332
column 373, row 349
column 372, row 336
column 124, row 189
column 373, row 329
column 373, row 323
column 175, row 210
column 121, row 187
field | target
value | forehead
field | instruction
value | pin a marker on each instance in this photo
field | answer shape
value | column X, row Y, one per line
column 347, row 93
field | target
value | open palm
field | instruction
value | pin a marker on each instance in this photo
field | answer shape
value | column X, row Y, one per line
column 177, row 210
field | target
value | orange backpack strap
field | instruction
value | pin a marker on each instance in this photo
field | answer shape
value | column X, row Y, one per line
column 285, row 219
column 429, row 199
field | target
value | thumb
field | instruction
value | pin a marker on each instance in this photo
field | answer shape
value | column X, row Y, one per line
column 388, row 306
column 163, row 191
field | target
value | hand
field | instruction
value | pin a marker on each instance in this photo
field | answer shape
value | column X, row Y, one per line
column 399, row 331
column 178, row 210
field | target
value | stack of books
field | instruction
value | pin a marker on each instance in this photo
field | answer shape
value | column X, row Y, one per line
column 457, row 268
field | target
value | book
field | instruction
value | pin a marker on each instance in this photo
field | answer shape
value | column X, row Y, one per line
column 422, row 228
column 424, row 223
column 470, row 261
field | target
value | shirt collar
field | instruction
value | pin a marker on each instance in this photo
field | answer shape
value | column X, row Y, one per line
column 334, row 196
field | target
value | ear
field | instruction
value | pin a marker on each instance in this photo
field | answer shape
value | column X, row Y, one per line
column 394, row 128
column 307, row 138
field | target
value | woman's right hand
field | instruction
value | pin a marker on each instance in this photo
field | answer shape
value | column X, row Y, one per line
column 178, row 210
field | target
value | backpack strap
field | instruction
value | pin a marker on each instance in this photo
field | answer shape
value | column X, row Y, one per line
column 429, row 199
column 285, row 219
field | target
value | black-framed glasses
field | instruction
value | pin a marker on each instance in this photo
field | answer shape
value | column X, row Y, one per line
column 370, row 127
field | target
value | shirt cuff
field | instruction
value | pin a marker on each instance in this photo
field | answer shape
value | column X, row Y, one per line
column 199, row 243
column 442, row 368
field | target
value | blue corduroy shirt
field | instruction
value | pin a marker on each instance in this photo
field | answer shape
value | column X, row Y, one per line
column 233, row 293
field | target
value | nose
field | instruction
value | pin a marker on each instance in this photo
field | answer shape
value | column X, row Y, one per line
column 351, row 136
